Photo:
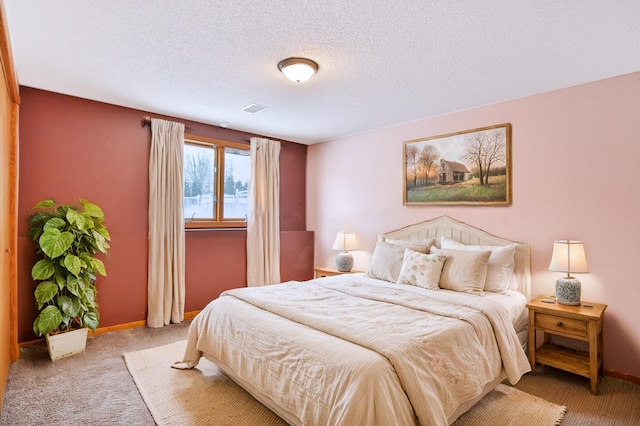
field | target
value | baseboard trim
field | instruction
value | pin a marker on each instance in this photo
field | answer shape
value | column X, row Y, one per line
column 190, row 315
column 119, row 327
column 101, row 330
column 623, row 376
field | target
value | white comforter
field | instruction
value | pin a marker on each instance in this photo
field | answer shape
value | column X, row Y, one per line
column 402, row 356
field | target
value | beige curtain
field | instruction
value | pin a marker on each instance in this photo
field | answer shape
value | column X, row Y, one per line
column 165, row 297
column 263, row 226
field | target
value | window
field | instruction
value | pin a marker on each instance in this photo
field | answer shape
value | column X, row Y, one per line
column 213, row 199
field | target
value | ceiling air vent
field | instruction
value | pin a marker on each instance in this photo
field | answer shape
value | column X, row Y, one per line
column 253, row 108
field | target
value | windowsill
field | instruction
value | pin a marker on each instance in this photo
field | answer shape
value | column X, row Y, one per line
column 212, row 225
column 214, row 229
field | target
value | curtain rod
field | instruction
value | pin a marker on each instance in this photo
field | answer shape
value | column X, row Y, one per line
column 146, row 121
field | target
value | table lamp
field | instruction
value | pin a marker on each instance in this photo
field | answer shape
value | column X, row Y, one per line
column 344, row 242
column 568, row 256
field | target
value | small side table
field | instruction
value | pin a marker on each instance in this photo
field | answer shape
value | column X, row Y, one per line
column 582, row 322
column 327, row 272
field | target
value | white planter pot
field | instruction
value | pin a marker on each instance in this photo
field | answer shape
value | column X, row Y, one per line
column 66, row 344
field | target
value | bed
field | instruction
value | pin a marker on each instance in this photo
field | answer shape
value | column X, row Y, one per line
column 385, row 347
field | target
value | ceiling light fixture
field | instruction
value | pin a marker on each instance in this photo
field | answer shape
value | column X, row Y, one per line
column 298, row 69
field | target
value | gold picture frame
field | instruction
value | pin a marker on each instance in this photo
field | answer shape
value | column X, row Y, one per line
column 472, row 167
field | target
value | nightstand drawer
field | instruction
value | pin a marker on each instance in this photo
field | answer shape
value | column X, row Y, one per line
column 555, row 323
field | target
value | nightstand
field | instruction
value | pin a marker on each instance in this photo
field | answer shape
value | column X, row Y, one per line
column 582, row 322
column 326, row 272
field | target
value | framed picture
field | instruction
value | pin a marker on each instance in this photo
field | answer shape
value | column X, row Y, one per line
column 472, row 167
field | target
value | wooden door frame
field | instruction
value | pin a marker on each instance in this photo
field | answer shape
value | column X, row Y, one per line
column 11, row 81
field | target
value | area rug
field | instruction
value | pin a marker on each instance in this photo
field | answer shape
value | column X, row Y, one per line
column 201, row 396
column 206, row 396
column 507, row 406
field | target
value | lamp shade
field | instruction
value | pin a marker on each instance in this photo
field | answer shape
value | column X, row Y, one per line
column 298, row 69
column 345, row 241
column 568, row 256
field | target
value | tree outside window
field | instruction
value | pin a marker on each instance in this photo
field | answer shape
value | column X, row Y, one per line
column 213, row 199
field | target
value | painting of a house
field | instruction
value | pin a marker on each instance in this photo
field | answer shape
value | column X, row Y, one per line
column 451, row 172
column 470, row 167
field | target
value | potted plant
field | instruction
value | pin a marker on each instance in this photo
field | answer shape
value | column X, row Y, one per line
column 67, row 238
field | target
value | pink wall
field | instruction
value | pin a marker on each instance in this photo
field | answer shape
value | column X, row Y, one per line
column 575, row 153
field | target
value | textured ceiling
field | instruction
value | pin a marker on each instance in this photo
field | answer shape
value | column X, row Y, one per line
column 382, row 62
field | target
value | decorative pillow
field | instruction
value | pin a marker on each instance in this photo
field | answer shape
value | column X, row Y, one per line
column 463, row 270
column 386, row 262
column 501, row 263
column 422, row 270
column 418, row 245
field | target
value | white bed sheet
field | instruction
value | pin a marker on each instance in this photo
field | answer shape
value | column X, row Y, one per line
column 294, row 370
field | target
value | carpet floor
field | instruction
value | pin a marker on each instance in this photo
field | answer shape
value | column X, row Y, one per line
column 96, row 388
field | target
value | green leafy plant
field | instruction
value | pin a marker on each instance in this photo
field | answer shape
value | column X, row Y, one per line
column 67, row 238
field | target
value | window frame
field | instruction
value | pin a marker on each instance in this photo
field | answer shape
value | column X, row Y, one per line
column 219, row 145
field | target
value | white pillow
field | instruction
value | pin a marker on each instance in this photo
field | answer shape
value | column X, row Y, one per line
column 463, row 270
column 501, row 263
column 386, row 262
column 387, row 257
column 422, row 270
column 418, row 245
column 513, row 283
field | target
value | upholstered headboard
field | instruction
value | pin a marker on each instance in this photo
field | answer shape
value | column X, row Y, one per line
column 467, row 234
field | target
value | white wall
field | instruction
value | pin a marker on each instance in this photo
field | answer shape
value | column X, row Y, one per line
column 575, row 156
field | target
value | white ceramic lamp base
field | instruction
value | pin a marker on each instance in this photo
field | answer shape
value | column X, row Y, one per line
column 344, row 262
column 568, row 291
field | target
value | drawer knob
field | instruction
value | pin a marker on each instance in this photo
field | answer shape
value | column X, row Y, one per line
column 559, row 323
